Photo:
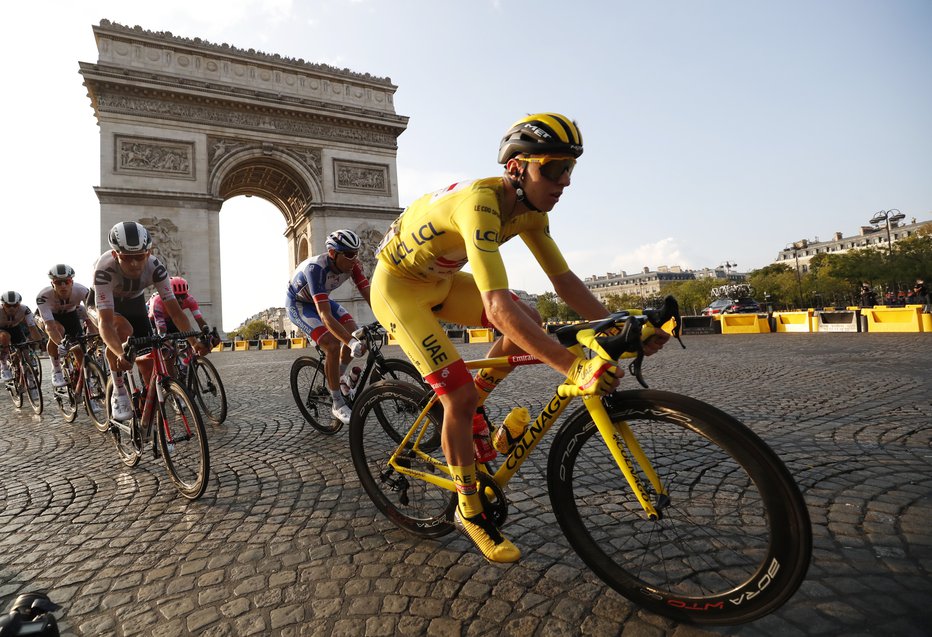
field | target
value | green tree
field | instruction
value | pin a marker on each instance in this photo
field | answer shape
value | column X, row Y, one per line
column 693, row 295
column 616, row 302
column 251, row 331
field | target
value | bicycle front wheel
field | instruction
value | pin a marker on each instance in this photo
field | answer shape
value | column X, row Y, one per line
column 183, row 442
column 733, row 539
column 311, row 394
column 416, row 506
column 15, row 387
column 64, row 396
column 95, row 394
column 33, row 390
column 208, row 390
column 32, row 359
column 126, row 435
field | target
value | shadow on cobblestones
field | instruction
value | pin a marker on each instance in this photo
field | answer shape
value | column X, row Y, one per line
column 286, row 542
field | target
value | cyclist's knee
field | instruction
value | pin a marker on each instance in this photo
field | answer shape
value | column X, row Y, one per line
column 463, row 399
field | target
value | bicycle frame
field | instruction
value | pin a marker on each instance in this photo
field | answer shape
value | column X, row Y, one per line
column 154, row 399
column 373, row 356
column 619, row 438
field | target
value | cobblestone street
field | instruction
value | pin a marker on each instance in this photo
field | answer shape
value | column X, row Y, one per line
column 285, row 541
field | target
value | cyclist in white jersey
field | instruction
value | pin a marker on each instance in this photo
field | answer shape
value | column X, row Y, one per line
column 17, row 324
column 325, row 321
column 62, row 312
column 121, row 277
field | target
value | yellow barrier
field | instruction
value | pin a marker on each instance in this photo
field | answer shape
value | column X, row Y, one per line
column 240, row 346
column 391, row 339
column 268, row 343
column 483, row 335
column 298, row 343
column 744, row 324
column 927, row 323
column 218, row 348
column 793, row 321
column 893, row 319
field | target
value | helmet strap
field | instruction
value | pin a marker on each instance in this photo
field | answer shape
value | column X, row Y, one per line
column 516, row 181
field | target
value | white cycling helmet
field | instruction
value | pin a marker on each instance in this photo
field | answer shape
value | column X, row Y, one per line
column 10, row 298
column 130, row 236
column 61, row 271
column 343, row 241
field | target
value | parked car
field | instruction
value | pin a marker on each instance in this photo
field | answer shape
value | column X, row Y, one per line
column 732, row 306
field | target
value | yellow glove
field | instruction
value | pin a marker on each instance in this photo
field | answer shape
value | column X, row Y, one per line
column 589, row 377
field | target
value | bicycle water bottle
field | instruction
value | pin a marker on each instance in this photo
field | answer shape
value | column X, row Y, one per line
column 512, row 429
column 480, row 437
column 354, row 376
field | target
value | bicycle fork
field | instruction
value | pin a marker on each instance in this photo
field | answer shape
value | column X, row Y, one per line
column 623, row 445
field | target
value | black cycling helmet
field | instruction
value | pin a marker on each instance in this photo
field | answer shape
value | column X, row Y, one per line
column 130, row 237
column 541, row 134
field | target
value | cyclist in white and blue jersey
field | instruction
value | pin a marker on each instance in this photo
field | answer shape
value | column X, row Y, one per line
column 325, row 321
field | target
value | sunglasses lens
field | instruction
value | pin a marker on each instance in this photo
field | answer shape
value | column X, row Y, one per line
column 555, row 168
column 349, row 255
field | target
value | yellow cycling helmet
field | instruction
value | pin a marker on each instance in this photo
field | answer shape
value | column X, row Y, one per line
column 541, row 134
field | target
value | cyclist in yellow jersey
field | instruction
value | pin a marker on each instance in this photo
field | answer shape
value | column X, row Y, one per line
column 418, row 282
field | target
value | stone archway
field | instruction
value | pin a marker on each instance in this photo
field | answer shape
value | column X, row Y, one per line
column 186, row 125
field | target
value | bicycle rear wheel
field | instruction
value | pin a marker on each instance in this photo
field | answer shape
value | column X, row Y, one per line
column 32, row 389
column 183, row 442
column 126, row 435
column 207, row 389
column 733, row 540
column 95, row 394
column 414, row 505
column 311, row 394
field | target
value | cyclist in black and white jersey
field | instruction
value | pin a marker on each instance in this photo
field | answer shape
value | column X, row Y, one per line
column 62, row 312
column 121, row 277
column 17, row 325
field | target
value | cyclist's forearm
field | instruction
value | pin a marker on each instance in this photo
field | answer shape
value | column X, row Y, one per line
column 336, row 328
column 527, row 334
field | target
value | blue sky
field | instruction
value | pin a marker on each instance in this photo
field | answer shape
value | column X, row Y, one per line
column 713, row 131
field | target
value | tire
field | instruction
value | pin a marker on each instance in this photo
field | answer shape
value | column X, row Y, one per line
column 732, row 544
column 15, row 386
column 128, row 443
column 311, row 394
column 416, row 506
column 399, row 370
column 183, row 441
column 96, row 395
column 32, row 389
column 32, row 359
column 208, row 391
column 64, row 396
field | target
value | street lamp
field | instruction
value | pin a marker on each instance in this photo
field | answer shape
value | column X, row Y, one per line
column 887, row 218
column 796, row 246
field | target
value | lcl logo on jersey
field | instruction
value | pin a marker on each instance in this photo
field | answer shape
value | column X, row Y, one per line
column 486, row 240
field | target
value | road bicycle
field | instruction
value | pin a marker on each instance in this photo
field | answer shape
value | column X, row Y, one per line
column 85, row 381
column 24, row 381
column 309, row 382
column 180, row 438
column 199, row 376
column 671, row 502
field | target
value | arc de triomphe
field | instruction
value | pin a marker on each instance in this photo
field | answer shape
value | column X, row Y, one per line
column 186, row 124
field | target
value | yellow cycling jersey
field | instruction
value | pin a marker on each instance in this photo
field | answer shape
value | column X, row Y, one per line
column 440, row 232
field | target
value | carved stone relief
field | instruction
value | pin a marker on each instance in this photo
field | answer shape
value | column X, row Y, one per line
column 220, row 116
column 153, row 157
column 370, row 238
column 359, row 177
column 166, row 243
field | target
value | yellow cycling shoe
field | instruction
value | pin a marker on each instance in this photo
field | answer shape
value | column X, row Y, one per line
column 486, row 536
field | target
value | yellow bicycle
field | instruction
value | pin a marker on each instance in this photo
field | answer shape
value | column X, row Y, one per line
column 670, row 501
